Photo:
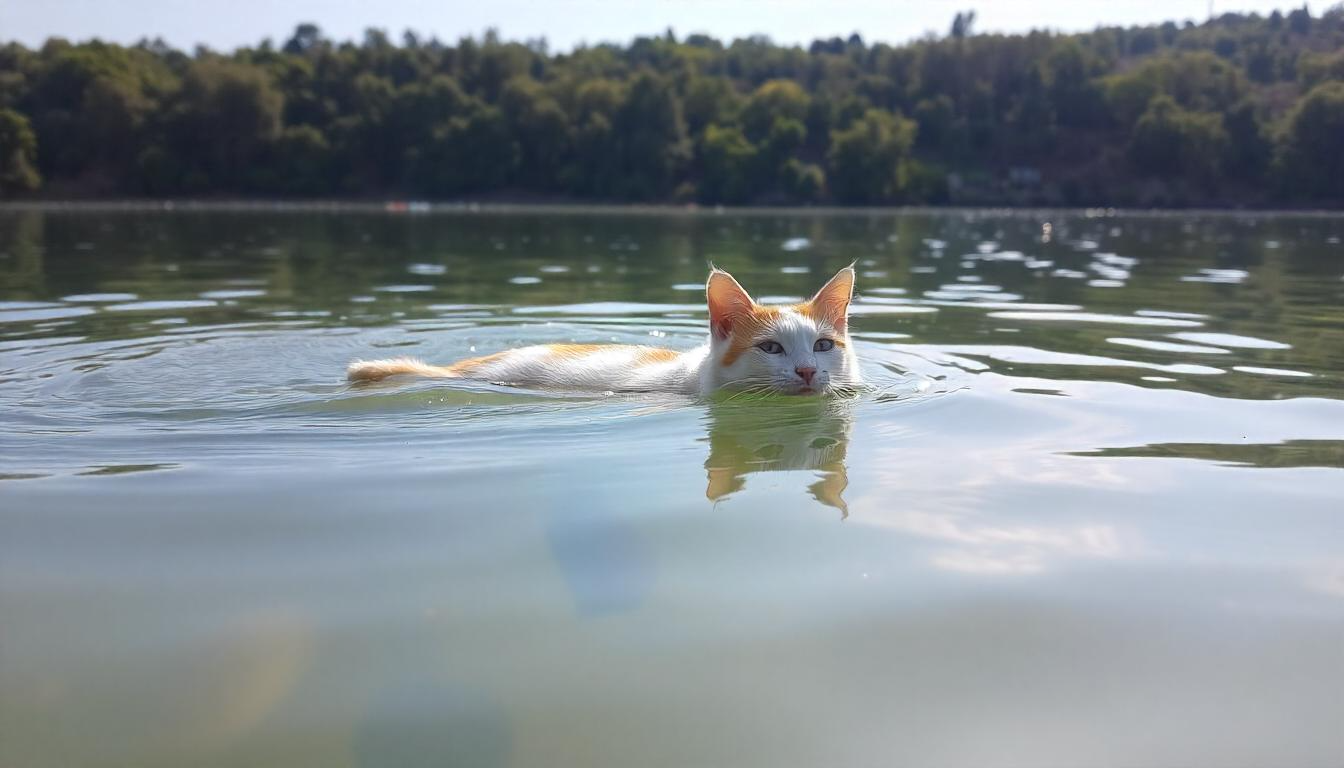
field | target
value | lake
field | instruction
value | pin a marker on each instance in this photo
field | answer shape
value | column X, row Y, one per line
column 1090, row 513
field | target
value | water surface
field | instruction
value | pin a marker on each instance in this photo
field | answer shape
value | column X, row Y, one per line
column 1090, row 514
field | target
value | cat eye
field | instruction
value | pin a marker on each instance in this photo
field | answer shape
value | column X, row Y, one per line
column 823, row 345
column 771, row 347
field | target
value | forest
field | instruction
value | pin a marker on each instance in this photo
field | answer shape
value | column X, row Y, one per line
column 1241, row 110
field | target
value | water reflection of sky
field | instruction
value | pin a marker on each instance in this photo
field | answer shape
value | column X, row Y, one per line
column 1087, row 514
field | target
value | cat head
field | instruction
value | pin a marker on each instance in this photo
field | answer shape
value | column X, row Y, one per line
column 803, row 349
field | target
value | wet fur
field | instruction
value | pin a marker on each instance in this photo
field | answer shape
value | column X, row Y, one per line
column 730, row 359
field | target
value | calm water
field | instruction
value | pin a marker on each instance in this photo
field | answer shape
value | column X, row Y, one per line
column 1092, row 513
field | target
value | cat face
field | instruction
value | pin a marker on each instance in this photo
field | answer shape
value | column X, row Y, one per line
column 802, row 349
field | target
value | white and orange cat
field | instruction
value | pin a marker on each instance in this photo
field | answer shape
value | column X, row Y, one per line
column 803, row 349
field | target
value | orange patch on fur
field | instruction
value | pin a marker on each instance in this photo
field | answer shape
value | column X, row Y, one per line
column 649, row 355
column 747, row 329
column 644, row 355
column 575, row 350
column 468, row 366
column 819, row 315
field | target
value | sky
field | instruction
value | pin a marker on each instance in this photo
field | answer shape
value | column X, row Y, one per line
column 566, row 23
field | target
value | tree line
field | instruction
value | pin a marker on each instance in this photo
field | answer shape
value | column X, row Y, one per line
column 1242, row 109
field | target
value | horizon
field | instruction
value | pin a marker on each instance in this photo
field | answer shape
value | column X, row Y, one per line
column 569, row 25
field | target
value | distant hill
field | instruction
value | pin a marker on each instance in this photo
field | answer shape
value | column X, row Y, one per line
column 1242, row 110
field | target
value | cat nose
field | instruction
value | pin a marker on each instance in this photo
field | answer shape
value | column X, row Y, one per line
column 806, row 374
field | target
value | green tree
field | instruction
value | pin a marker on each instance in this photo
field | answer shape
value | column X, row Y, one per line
column 726, row 159
column 472, row 154
column 651, row 139
column 655, row 119
column 1311, row 160
column 18, row 154
column 774, row 99
column 803, row 182
column 1068, row 76
column 90, row 104
column 867, row 159
column 709, row 100
column 228, row 113
column 540, row 129
column 302, row 159
column 1168, row 140
column 1197, row 81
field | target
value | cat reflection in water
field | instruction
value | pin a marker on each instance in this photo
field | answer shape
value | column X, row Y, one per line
column 750, row 437
column 802, row 349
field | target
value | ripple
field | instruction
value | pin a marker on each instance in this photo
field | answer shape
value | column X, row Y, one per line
column 987, row 302
column 459, row 307
column 609, row 308
column 125, row 469
column 158, row 306
column 99, row 297
column 525, row 280
column 1035, row 356
column 1271, row 371
column 972, row 286
column 969, row 297
column 28, row 315
column 890, row 309
column 879, row 335
column 1116, row 260
column 1166, row 313
column 1096, row 317
column 1166, row 346
column 1229, row 276
column 1287, row 454
column 405, row 288
column 796, row 244
column 1229, row 340
column 1109, row 271
column 234, row 293
column 795, row 270
column 427, row 269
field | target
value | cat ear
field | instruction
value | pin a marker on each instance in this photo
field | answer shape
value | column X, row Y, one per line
column 832, row 302
column 728, row 302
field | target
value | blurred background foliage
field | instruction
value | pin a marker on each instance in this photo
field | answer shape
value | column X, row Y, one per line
column 1240, row 110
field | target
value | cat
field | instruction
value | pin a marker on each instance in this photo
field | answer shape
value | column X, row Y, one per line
column 803, row 349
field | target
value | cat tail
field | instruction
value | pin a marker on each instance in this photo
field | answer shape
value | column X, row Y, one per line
column 377, row 370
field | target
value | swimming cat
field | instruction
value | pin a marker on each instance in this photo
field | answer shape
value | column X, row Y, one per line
column 803, row 349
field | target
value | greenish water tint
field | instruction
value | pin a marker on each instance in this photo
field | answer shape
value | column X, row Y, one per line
column 1091, row 514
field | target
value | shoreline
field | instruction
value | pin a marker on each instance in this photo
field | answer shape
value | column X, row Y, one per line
column 460, row 208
